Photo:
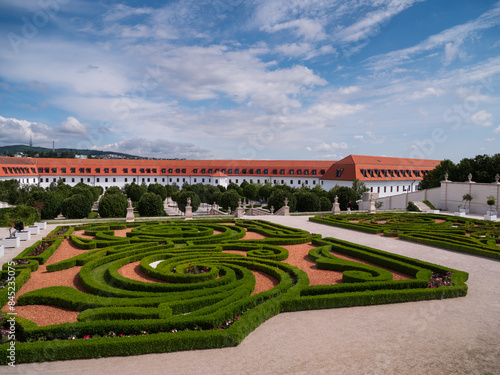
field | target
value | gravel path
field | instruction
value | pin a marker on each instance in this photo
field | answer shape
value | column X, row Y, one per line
column 454, row 336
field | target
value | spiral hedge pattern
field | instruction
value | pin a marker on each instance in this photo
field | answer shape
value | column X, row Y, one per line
column 204, row 295
column 460, row 234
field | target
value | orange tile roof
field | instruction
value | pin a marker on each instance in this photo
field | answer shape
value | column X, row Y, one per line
column 352, row 167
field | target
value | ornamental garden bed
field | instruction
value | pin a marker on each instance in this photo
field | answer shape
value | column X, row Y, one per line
column 118, row 289
column 464, row 235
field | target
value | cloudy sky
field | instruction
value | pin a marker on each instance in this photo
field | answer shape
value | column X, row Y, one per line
column 253, row 79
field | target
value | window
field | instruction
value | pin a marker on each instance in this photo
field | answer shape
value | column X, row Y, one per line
column 210, row 171
column 148, row 170
column 195, row 170
column 282, row 182
column 88, row 179
column 134, row 170
column 257, row 171
column 377, row 171
column 133, row 179
column 363, row 172
column 155, row 179
column 299, row 172
column 282, row 171
column 266, row 171
column 81, row 179
column 148, row 179
column 391, row 189
column 88, row 170
column 339, row 172
column 230, row 171
column 236, row 180
column 397, row 188
column 154, row 170
column 378, row 189
column 195, row 180
column 397, row 173
column 244, row 171
column 164, row 170
column 82, row 170
column 113, row 170
column 314, row 182
column 314, row 172
column 385, row 189
column 178, row 170
column 403, row 173
column 298, row 182
column 54, row 170
column 125, row 170
column 142, row 170
column 106, row 179
column 126, row 179
column 291, row 172
column 216, row 181
column 46, row 170
column 250, row 171
column 291, row 182
column 114, row 179
column 72, row 180
column 63, row 170
column 236, row 171
column 307, row 182
column 203, row 170
column 98, row 170
column 64, row 180
column 170, row 170
column 33, row 170
column 306, row 172
column 183, row 170
column 224, row 170
column 40, row 169
column 202, row 180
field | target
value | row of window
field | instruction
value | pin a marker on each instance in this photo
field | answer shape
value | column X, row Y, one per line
column 18, row 170
column 390, row 172
column 238, row 171
column 391, row 188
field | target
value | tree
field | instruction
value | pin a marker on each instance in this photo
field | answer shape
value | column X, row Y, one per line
column 307, row 201
column 113, row 205
column 135, row 192
column 158, row 189
column 52, row 203
column 325, row 203
column 150, row 204
column 250, row 191
column 182, row 200
column 265, row 191
column 229, row 199
column 113, row 190
column 359, row 188
column 277, row 199
column 345, row 195
column 233, row 186
column 76, row 207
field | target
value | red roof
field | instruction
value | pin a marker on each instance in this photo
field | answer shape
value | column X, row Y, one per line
column 379, row 168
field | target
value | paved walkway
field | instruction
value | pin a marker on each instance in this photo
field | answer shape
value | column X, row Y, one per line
column 453, row 336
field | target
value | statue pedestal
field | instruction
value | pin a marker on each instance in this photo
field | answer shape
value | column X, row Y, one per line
column 336, row 209
column 239, row 212
column 1, row 251
column 188, row 214
column 130, row 215
column 34, row 229
column 372, row 208
column 41, row 224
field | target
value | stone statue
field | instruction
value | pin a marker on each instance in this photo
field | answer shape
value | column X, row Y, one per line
column 446, row 176
column 497, row 177
column 470, row 177
column 188, row 204
column 129, row 203
column 336, row 199
column 286, row 201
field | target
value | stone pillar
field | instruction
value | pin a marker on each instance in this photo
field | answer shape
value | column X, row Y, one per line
column 372, row 208
column 336, row 206
column 188, row 214
column 286, row 209
column 130, row 212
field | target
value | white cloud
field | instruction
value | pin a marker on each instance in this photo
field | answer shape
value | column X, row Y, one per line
column 72, row 127
column 160, row 148
column 304, row 28
column 497, row 130
column 427, row 92
column 373, row 21
column 14, row 131
column 451, row 37
column 482, row 118
column 349, row 90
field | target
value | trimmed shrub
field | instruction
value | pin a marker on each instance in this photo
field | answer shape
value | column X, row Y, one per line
column 150, row 204
column 113, row 205
column 76, row 207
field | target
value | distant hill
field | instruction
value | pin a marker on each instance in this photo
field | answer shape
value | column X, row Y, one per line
column 62, row 152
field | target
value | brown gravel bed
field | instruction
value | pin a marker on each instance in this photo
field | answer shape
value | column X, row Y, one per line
column 45, row 315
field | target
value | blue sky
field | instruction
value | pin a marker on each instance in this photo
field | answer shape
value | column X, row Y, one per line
column 234, row 79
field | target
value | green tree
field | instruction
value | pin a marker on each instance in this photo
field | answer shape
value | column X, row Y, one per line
column 135, row 192
column 113, row 190
column 265, row 191
column 277, row 199
column 345, row 195
column 233, row 186
column 325, row 203
column 182, row 197
column 307, row 201
column 250, row 191
column 113, row 205
column 229, row 199
column 76, row 207
column 158, row 189
column 150, row 204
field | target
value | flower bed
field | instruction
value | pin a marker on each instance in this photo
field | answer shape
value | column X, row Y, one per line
column 465, row 235
column 207, row 299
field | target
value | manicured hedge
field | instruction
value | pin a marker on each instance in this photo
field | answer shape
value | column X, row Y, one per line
column 186, row 308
